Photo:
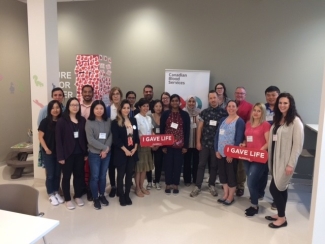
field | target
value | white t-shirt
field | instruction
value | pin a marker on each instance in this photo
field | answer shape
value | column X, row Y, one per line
column 144, row 124
column 113, row 112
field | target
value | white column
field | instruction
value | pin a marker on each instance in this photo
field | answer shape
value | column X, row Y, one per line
column 317, row 211
column 44, row 61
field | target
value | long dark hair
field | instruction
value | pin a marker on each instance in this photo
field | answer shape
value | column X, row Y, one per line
column 224, row 89
column 119, row 117
column 66, row 113
column 92, row 108
column 49, row 116
column 292, row 111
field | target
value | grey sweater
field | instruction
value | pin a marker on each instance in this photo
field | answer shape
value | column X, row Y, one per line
column 93, row 129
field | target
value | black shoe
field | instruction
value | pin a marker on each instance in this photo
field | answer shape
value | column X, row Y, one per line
column 273, row 226
column 273, row 206
column 127, row 199
column 97, row 205
column 103, row 200
column 113, row 192
column 250, row 212
column 270, row 218
column 89, row 196
column 175, row 191
column 221, row 200
column 228, row 203
column 168, row 191
column 122, row 201
column 117, row 193
column 239, row 192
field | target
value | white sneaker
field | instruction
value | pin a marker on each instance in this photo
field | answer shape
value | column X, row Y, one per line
column 70, row 205
column 213, row 191
column 149, row 186
column 53, row 200
column 195, row 192
column 158, row 186
column 79, row 202
column 59, row 198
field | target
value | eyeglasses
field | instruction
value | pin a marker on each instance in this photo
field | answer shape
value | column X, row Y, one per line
column 165, row 98
column 74, row 105
column 219, row 88
column 240, row 93
column 130, row 98
column 116, row 94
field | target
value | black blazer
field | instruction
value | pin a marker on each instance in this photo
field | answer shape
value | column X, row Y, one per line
column 120, row 139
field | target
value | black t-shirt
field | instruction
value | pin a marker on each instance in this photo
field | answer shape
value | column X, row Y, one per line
column 49, row 133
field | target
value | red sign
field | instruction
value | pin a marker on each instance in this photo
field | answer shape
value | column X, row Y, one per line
column 156, row 140
column 249, row 154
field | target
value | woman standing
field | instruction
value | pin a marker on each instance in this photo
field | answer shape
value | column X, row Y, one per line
column 71, row 148
column 157, row 151
column 131, row 97
column 115, row 96
column 165, row 98
column 98, row 131
column 285, row 145
column 176, row 122
column 230, row 132
column 125, row 140
column 256, row 137
column 220, row 88
column 145, row 163
column 191, row 157
column 46, row 136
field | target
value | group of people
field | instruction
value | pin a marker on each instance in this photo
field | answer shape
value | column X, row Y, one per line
column 87, row 139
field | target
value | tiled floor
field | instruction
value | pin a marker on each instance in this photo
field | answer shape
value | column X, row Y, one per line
column 159, row 218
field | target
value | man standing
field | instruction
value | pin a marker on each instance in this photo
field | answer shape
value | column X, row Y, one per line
column 244, row 112
column 207, row 127
column 87, row 93
column 271, row 94
column 148, row 95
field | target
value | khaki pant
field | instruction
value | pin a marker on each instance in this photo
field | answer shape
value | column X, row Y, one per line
column 241, row 175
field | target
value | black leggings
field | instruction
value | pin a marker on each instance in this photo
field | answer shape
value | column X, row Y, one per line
column 280, row 198
column 126, row 169
column 111, row 169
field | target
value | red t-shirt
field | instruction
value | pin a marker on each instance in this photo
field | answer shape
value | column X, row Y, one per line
column 255, row 137
column 244, row 110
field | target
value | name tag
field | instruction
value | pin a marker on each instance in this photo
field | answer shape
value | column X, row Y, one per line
column 249, row 138
column 275, row 137
column 269, row 118
column 102, row 135
column 174, row 125
column 213, row 122
column 157, row 130
column 76, row 134
column 193, row 125
column 221, row 132
column 134, row 127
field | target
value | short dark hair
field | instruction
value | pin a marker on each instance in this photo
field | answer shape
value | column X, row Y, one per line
column 175, row 95
column 92, row 88
column 232, row 101
column 147, row 86
column 57, row 89
column 142, row 102
column 66, row 113
column 92, row 108
column 212, row 91
column 129, row 93
column 272, row 89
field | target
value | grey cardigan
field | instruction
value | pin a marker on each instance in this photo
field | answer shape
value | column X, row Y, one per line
column 287, row 149
column 93, row 128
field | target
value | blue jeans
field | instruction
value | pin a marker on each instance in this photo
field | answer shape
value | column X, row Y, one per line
column 98, row 170
column 53, row 172
column 255, row 179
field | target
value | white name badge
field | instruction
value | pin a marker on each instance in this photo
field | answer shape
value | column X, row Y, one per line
column 213, row 122
column 193, row 125
column 157, row 130
column 249, row 138
column 102, row 135
column 269, row 118
column 221, row 132
column 174, row 125
column 275, row 137
column 134, row 127
column 76, row 134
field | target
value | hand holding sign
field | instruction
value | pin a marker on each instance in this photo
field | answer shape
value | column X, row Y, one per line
column 249, row 154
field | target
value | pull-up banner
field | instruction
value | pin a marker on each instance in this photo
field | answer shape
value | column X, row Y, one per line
column 187, row 83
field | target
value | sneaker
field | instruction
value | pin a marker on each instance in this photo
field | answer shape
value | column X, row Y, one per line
column 103, row 200
column 79, row 202
column 53, row 200
column 195, row 192
column 113, row 192
column 260, row 198
column 175, row 191
column 213, row 191
column 97, row 205
column 158, row 186
column 89, row 196
column 59, row 198
column 250, row 212
column 70, row 205
column 239, row 192
column 273, row 206
column 149, row 186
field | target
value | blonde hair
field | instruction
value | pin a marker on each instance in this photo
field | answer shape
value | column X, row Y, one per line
column 263, row 114
column 115, row 88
